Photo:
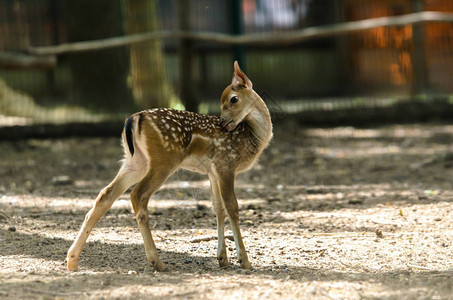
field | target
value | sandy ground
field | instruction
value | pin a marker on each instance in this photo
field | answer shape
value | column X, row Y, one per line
column 339, row 213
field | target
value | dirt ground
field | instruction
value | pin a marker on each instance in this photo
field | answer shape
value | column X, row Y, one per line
column 338, row 213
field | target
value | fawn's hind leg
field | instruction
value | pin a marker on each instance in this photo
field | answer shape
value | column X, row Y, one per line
column 140, row 196
column 123, row 180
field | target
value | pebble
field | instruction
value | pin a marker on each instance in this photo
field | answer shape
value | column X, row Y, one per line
column 271, row 200
column 61, row 180
column 12, row 229
column 201, row 207
column 379, row 233
column 355, row 201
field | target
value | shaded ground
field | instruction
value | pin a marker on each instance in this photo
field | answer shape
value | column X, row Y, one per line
column 326, row 214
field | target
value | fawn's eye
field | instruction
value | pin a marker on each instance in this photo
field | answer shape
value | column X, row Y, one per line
column 234, row 99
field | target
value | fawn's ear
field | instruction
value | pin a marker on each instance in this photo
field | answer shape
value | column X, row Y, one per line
column 240, row 80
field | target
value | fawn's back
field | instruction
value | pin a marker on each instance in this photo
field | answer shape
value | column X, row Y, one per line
column 197, row 141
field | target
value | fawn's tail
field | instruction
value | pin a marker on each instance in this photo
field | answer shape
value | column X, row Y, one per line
column 128, row 132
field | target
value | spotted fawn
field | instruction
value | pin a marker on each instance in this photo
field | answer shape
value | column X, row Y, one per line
column 157, row 142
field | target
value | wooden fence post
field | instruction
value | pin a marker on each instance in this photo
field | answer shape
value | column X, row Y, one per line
column 186, row 79
column 237, row 28
column 343, row 53
column 420, row 82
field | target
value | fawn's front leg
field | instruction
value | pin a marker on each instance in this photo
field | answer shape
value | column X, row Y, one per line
column 219, row 210
column 226, row 185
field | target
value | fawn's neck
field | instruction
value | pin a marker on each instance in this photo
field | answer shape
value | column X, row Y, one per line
column 260, row 123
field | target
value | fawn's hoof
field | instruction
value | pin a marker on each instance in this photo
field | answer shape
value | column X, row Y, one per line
column 245, row 264
column 159, row 266
column 72, row 263
column 223, row 261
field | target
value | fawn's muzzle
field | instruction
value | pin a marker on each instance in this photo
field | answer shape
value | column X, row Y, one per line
column 228, row 124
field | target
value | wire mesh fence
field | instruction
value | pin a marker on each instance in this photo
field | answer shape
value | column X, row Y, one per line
column 356, row 68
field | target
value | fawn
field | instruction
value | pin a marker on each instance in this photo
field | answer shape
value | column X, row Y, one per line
column 159, row 141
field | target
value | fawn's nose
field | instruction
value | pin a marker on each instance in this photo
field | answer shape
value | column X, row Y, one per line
column 227, row 123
